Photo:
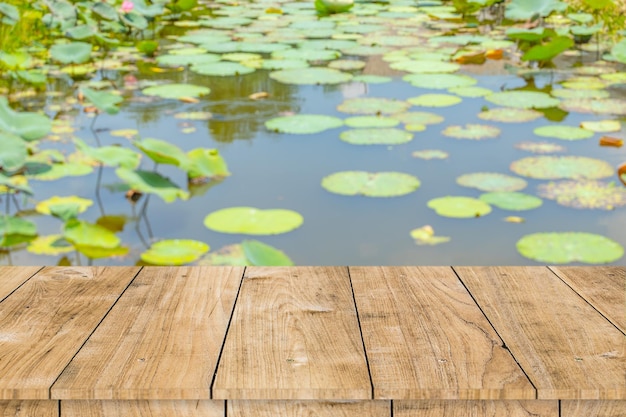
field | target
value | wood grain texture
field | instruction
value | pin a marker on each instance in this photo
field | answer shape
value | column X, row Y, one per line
column 506, row 408
column 12, row 277
column 567, row 349
column 294, row 335
column 44, row 323
column 426, row 338
column 260, row 408
column 161, row 340
column 26, row 408
column 582, row 408
column 94, row 408
column 604, row 287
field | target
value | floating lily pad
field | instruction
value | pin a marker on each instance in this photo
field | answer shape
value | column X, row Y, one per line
column 425, row 67
column 540, row 147
column 418, row 118
column 303, row 123
column 459, row 207
column 151, row 183
column 491, row 181
column 222, row 69
column 64, row 208
column 365, row 50
column 370, row 184
column 430, row 154
column 563, row 132
column 283, row 64
column 71, row 53
column 589, row 94
column 253, row 221
column 371, row 121
column 174, row 252
column 346, row 64
column 311, row 76
column 29, row 126
column 523, row 99
column 425, row 235
column 372, row 79
column 599, row 106
column 12, row 225
column 510, row 115
column 472, row 132
column 512, row 200
column 376, row 136
column 163, row 152
column 307, row 54
column 602, row 126
column 435, row 100
column 249, row 252
column 81, row 232
column 44, row 172
column 14, row 152
column 373, row 105
column 439, row 81
column 103, row 100
column 561, row 248
column 50, row 245
column 557, row 167
column 173, row 60
column 471, row 92
column 115, row 156
column 176, row 91
column 584, row 194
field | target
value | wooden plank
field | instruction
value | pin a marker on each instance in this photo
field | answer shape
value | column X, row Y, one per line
column 567, row 349
column 294, row 335
column 161, row 340
column 24, row 408
column 604, row 287
column 508, row 408
column 94, row 408
column 12, row 277
column 261, row 408
column 426, row 338
column 44, row 323
column 583, row 408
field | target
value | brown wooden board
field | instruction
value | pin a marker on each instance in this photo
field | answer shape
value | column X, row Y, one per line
column 294, row 335
column 426, row 338
column 109, row 408
column 260, row 408
column 567, row 349
column 160, row 341
column 506, row 408
column 46, row 320
column 12, row 277
column 24, row 408
column 604, row 287
column 582, row 408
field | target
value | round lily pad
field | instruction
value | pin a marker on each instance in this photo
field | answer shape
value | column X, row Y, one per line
column 253, row 221
column 602, row 126
column 176, row 91
column 430, row 154
column 563, row 132
column 567, row 93
column 523, row 99
column 63, row 207
column 371, row 121
column 459, row 207
column 584, row 194
column 50, row 245
column 470, row 92
column 472, row 132
column 371, row 184
column 307, row 54
column 282, row 64
column 372, row 105
column 346, row 64
column 222, row 69
column 599, row 106
column 510, row 115
column 372, row 79
column 310, row 76
column 425, row 67
column 435, row 100
column 512, row 200
column 303, row 123
column 491, row 181
column 557, row 167
column 241, row 57
column 418, row 118
column 439, row 81
column 174, row 252
column 376, row 136
column 249, row 252
column 561, row 248
column 540, row 147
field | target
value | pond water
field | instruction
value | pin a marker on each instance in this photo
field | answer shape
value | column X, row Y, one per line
column 273, row 170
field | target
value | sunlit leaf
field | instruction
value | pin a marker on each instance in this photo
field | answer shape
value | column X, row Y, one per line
column 303, row 123
column 163, row 152
column 512, row 200
column 584, row 194
column 71, row 53
column 206, row 163
column 253, row 221
column 13, row 154
column 553, row 167
column 371, row 184
column 174, row 252
column 30, row 126
column 425, row 235
column 64, row 208
column 561, row 248
column 81, row 232
column 459, row 207
column 151, row 183
column 50, row 245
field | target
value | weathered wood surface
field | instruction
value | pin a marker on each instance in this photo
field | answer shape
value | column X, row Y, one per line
column 25, row 408
column 426, row 338
column 294, row 408
column 507, row 408
column 583, row 408
column 160, row 341
column 604, row 287
column 45, row 321
column 294, row 335
column 11, row 277
column 567, row 349
column 94, row 408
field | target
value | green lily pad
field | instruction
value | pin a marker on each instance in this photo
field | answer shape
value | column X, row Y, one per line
column 12, row 225
column 430, row 154
column 549, row 50
column 303, row 123
column 619, row 51
column 371, row 121
column 365, row 50
column 253, row 221
column 249, row 252
column 71, row 53
column 163, row 152
column 312, row 76
column 346, row 64
column 491, row 181
column 206, row 163
column 81, row 232
column 557, row 167
column 472, row 132
column 439, row 81
column 435, row 100
column 29, row 126
column 97, row 252
column 540, row 147
column 561, row 248
column 372, row 79
column 584, row 194
column 512, row 200
column 459, row 207
column 602, row 126
column 425, row 235
column 64, row 208
column 222, row 69
column 370, row 184
column 418, row 118
column 50, row 245
column 14, row 152
column 173, row 60
column 176, row 91
column 373, row 105
column 600, row 106
column 526, row 9
column 589, row 94
column 470, row 92
column 307, row 54
column 44, row 172
column 174, row 252
column 13, row 184
column 115, row 156
column 523, row 99
column 425, row 67
column 103, row 100
column 376, row 136
column 563, row 132
column 510, row 115
column 151, row 183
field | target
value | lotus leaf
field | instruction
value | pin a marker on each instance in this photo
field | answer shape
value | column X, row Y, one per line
column 163, row 152
column 527, row 9
column 553, row 167
column 30, row 126
column 14, row 153
column 365, row 50
column 206, row 163
column 44, row 172
column 71, row 53
column 176, row 91
column 188, row 51
column 50, row 245
column 372, row 79
column 13, row 184
column 185, row 60
column 459, row 207
column 602, row 126
column 425, row 235
column 151, row 183
column 584, row 194
column 80, row 232
column 327, row 44
column 540, row 147
column 104, row 101
column 472, row 131
column 371, row 121
column 523, row 99
column 425, row 67
column 439, row 81
column 346, row 64
column 434, row 100
column 303, row 123
column 64, row 208
column 561, row 248
column 221, row 69
column 563, row 132
column 174, row 252
column 96, row 252
column 310, row 76
column 510, row 115
column 418, row 118
column 10, row 12
column 600, row 106
column 491, row 181
column 470, row 92
column 372, row 105
column 255, row 253
column 619, row 51
column 567, row 93
column 307, row 54
column 370, row 184
column 615, row 78
column 549, row 50
column 512, row 200
column 430, row 154
column 253, row 221
column 283, row 64
column 376, row 136
column 584, row 83
column 12, row 225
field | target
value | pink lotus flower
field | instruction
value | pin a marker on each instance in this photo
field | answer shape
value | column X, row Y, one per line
column 127, row 6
